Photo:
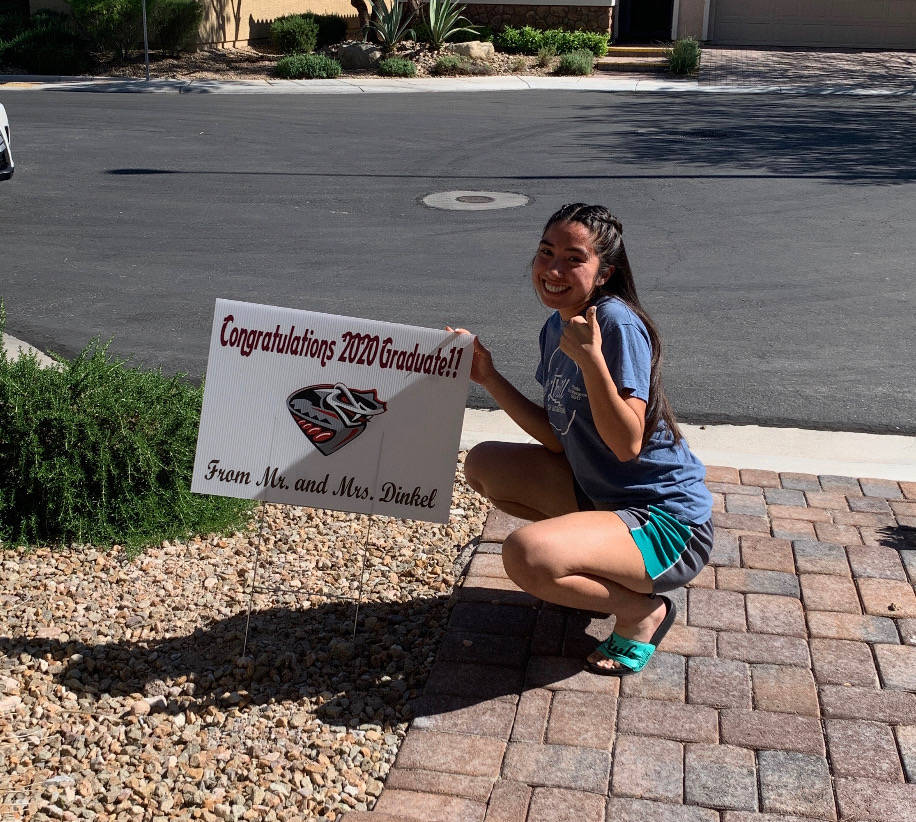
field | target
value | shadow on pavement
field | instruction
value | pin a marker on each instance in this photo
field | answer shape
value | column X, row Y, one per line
column 829, row 139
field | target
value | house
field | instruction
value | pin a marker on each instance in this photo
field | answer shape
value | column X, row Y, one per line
column 888, row 24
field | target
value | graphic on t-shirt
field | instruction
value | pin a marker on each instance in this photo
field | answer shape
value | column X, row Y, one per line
column 554, row 400
column 333, row 415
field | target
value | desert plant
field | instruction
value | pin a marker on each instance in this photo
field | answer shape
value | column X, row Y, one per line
column 443, row 21
column 175, row 25
column 397, row 67
column 684, row 56
column 576, row 63
column 294, row 34
column 483, row 33
column 546, row 55
column 48, row 45
column 308, row 67
column 97, row 451
column 517, row 64
column 389, row 23
column 452, row 64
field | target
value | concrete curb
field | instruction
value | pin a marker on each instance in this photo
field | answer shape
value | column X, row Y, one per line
column 838, row 453
column 17, row 348
column 372, row 85
column 786, row 450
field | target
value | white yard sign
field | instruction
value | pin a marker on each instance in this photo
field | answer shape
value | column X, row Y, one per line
column 331, row 412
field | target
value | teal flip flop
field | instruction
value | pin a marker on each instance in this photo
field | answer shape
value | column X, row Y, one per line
column 632, row 654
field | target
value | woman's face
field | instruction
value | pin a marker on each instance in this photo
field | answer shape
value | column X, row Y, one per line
column 565, row 268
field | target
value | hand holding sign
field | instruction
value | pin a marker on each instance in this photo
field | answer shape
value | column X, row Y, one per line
column 482, row 368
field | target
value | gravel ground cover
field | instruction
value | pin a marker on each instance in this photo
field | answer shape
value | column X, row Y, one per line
column 125, row 693
column 252, row 64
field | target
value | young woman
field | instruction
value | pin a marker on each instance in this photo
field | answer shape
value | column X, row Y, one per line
column 619, row 507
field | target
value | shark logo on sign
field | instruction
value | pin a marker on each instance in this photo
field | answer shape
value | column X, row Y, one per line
column 333, row 415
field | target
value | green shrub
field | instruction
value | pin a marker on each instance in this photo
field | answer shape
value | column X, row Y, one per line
column 529, row 40
column 452, row 64
column 576, row 63
column 517, row 64
column 684, row 57
column 332, row 28
column 566, row 42
column 546, row 55
column 174, row 25
column 308, row 66
column 109, row 25
column 12, row 24
column 96, row 451
column 397, row 67
column 524, row 40
column 294, row 34
column 49, row 45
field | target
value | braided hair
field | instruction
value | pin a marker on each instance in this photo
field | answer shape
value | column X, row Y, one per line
column 607, row 239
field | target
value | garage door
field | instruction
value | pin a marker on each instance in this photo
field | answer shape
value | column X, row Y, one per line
column 854, row 23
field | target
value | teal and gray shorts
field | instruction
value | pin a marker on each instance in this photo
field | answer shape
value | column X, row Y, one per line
column 674, row 551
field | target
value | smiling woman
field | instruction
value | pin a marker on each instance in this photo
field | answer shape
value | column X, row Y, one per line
column 618, row 506
column 6, row 151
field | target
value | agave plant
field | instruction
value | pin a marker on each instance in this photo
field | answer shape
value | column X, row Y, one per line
column 444, row 20
column 389, row 23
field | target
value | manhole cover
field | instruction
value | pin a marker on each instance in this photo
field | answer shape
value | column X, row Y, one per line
column 474, row 200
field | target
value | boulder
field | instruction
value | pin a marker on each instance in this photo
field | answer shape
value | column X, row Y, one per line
column 359, row 56
column 474, row 50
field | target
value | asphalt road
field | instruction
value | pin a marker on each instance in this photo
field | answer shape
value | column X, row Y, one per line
column 772, row 237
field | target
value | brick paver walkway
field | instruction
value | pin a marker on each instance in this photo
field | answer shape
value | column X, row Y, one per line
column 785, row 691
column 840, row 70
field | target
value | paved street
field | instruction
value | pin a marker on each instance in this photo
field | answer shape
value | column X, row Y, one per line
column 770, row 235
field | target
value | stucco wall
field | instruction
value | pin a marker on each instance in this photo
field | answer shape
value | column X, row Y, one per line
column 235, row 22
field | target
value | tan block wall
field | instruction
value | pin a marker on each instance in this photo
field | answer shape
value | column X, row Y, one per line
column 235, row 22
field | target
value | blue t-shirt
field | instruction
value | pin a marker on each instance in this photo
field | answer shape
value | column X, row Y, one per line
column 664, row 474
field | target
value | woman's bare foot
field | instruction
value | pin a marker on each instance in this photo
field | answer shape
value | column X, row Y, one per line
column 641, row 631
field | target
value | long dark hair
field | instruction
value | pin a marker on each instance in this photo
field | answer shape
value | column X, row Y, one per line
column 607, row 240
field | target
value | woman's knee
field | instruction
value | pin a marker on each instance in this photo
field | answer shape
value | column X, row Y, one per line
column 524, row 557
column 478, row 466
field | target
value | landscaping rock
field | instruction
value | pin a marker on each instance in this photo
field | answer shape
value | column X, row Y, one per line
column 359, row 56
column 165, row 718
column 473, row 50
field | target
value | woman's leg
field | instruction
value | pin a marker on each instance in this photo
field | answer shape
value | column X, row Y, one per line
column 526, row 481
column 586, row 560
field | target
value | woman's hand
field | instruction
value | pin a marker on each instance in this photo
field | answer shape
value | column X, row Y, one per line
column 482, row 368
column 581, row 339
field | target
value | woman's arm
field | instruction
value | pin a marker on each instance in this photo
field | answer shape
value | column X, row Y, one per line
column 620, row 421
column 528, row 415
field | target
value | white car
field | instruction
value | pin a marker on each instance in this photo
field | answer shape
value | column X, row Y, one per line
column 6, row 150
